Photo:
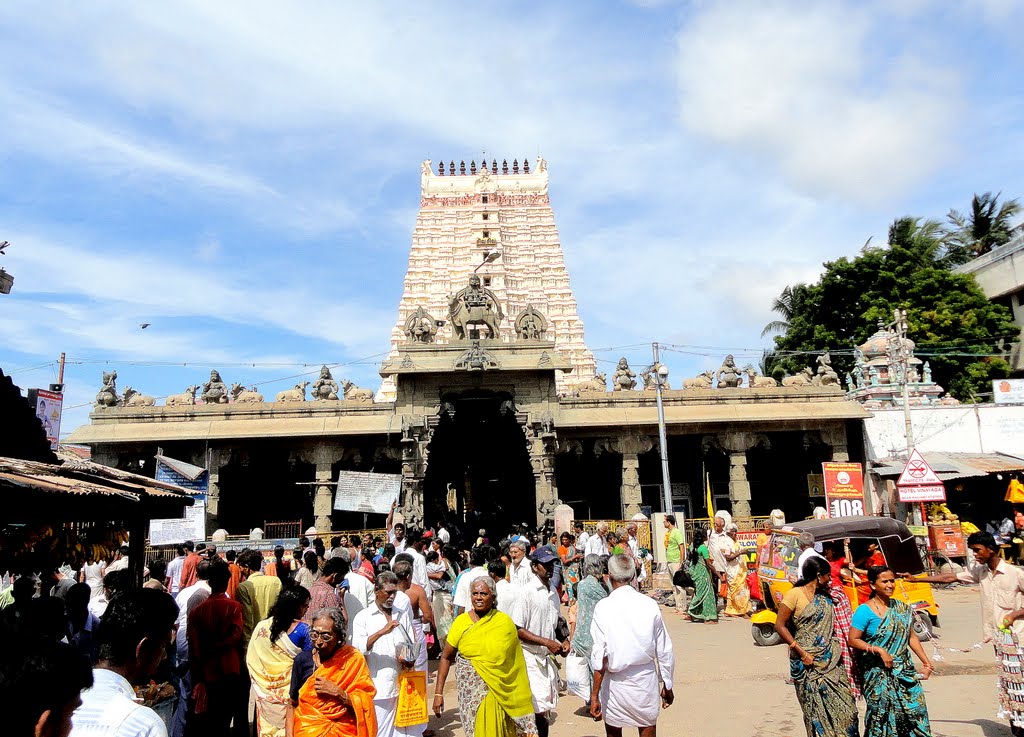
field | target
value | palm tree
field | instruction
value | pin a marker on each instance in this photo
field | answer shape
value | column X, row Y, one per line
column 785, row 305
column 926, row 240
column 984, row 228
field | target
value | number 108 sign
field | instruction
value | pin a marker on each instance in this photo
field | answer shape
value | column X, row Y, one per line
column 844, row 489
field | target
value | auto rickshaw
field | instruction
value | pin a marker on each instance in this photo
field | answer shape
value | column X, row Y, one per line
column 777, row 567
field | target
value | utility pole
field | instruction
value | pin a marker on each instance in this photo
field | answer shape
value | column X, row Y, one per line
column 899, row 369
column 60, row 371
column 661, row 375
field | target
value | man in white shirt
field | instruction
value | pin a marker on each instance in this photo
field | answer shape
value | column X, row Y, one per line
column 718, row 544
column 597, row 543
column 133, row 640
column 120, row 561
column 419, row 562
column 396, row 530
column 359, row 594
column 443, row 534
column 534, row 611
column 173, row 580
column 477, row 559
column 504, row 591
column 632, row 656
column 581, row 537
column 377, row 631
column 519, row 572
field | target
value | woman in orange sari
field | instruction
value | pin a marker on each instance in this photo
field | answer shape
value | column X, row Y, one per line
column 332, row 692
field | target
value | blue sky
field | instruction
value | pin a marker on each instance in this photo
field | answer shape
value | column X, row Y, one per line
column 245, row 176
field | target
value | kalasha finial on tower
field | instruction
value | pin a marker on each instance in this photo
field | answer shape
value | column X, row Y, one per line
column 440, row 169
column 462, row 167
column 494, row 166
column 451, row 168
column 526, row 165
column 515, row 166
column 504, row 166
column 472, row 166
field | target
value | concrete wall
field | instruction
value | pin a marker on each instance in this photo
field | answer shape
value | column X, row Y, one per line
column 984, row 428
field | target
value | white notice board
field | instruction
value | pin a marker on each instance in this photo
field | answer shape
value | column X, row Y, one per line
column 190, row 527
column 359, row 491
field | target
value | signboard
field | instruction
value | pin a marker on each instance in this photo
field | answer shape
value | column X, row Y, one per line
column 193, row 525
column 360, row 491
column 1008, row 391
column 47, row 406
column 844, row 489
column 815, row 484
column 918, row 482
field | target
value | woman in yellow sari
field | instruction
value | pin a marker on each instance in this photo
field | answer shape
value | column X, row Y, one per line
column 275, row 643
column 494, row 690
column 332, row 691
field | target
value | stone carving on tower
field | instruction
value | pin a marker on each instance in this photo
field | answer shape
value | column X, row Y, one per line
column 215, row 391
column 624, row 379
column 531, row 325
column 474, row 305
column 325, row 387
column 497, row 224
column 476, row 359
column 107, row 396
column 729, row 375
column 421, row 327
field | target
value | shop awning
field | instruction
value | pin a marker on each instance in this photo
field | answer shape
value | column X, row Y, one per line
column 949, row 466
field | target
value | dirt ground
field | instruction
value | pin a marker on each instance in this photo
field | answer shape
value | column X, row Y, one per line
column 725, row 686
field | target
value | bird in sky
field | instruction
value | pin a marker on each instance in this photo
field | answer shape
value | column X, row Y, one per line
column 3, row 245
column 144, row 325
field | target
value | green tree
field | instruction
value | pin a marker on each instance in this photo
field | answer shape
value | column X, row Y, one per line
column 949, row 316
column 985, row 227
column 785, row 305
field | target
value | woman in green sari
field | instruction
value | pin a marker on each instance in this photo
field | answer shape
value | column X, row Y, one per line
column 494, row 690
column 704, row 604
column 883, row 635
column 806, row 623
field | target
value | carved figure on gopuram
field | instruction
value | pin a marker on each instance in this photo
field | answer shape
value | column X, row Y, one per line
column 729, row 374
column 420, row 327
column 215, row 391
column 826, row 375
column 474, row 305
column 531, row 325
column 623, row 379
column 107, row 396
column 325, row 387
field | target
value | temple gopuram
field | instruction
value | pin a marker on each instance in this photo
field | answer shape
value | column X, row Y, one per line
column 490, row 405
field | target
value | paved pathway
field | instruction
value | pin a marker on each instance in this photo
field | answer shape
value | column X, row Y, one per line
column 728, row 687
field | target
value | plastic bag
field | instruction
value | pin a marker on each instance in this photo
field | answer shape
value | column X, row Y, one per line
column 412, row 698
column 578, row 677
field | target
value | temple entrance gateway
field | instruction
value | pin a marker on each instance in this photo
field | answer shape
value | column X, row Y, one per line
column 478, row 467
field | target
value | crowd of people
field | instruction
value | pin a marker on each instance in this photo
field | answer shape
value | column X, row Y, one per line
column 335, row 638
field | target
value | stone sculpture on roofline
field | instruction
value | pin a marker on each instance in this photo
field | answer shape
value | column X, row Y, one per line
column 623, row 379
column 325, row 388
column 729, row 375
column 474, row 305
column 107, row 396
column 215, row 391
column 420, row 327
column 530, row 325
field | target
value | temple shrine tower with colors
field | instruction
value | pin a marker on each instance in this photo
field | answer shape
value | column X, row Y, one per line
column 470, row 215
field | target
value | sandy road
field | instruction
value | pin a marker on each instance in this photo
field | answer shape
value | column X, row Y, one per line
column 728, row 687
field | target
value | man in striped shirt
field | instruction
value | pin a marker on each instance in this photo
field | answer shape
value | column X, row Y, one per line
column 137, row 628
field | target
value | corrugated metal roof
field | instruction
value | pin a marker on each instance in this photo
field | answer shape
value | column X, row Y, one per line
column 85, row 478
column 184, row 469
column 948, row 466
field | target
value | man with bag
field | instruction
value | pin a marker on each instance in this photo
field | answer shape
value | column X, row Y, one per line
column 632, row 656
column 384, row 634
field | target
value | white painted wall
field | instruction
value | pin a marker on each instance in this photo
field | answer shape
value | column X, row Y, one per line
column 982, row 428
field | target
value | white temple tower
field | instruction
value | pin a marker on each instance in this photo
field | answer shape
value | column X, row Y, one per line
column 466, row 213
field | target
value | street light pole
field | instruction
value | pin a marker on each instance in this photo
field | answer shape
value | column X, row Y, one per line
column 661, row 374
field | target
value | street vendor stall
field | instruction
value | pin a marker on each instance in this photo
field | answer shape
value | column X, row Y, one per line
column 72, row 510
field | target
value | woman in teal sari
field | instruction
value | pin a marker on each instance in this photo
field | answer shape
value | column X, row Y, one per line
column 883, row 634
column 806, row 623
column 704, row 604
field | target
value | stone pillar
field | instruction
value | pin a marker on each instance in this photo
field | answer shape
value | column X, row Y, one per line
column 630, row 447
column 736, row 445
column 416, row 436
column 835, row 436
column 323, row 456
column 541, row 444
column 216, row 459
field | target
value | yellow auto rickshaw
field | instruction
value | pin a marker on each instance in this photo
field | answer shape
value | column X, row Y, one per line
column 777, row 567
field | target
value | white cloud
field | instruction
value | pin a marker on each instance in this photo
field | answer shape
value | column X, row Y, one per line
column 809, row 89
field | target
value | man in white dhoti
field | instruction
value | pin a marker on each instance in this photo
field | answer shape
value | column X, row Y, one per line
column 377, row 632
column 632, row 656
column 535, row 613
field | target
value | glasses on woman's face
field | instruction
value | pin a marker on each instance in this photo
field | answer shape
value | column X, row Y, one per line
column 319, row 635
